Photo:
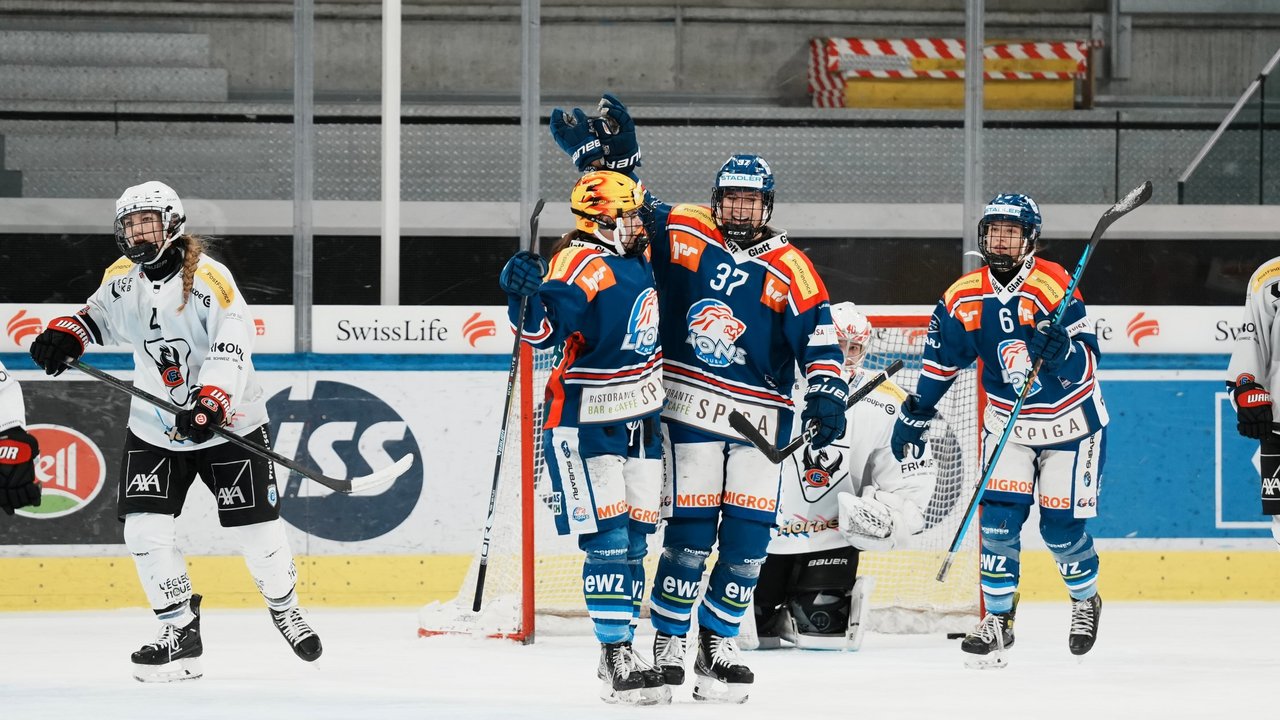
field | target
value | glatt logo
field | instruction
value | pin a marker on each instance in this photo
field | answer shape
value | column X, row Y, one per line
column 21, row 327
column 1141, row 327
column 477, row 327
column 70, row 469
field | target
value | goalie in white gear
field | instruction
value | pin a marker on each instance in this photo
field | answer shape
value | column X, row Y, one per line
column 836, row 502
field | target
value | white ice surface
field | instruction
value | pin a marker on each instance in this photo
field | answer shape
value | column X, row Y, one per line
column 1152, row 661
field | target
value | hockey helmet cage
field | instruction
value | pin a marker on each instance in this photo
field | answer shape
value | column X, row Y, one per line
column 743, row 172
column 154, row 196
column 1015, row 208
column 598, row 199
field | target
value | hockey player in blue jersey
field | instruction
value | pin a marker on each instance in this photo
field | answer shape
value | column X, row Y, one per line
column 1000, row 314
column 597, row 305
column 741, row 308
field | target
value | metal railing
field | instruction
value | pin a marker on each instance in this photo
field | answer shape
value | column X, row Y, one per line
column 1225, row 175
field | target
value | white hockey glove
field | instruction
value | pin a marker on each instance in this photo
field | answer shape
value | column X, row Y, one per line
column 878, row 520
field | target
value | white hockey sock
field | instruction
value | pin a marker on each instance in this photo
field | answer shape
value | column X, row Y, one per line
column 151, row 539
column 266, row 551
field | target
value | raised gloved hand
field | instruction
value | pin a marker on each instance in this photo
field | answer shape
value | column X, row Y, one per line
column 1253, row 408
column 572, row 132
column 824, row 408
column 523, row 273
column 878, row 520
column 62, row 341
column 211, row 408
column 908, row 432
column 617, row 134
column 1050, row 344
column 18, row 486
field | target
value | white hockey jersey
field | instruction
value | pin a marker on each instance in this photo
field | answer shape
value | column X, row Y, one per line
column 12, row 411
column 808, row 512
column 209, row 343
column 1257, row 351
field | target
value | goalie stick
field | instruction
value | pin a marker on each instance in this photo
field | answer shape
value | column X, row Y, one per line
column 506, row 415
column 364, row 483
column 776, row 455
column 1127, row 204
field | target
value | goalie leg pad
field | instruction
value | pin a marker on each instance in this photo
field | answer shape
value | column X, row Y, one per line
column 686, row 546
column 1001, row 552
column 769, row 612
column 1072, row 550
column 743, row 547
column 266, row 552
column 152, row 540
column 820, row 604
column 606, row 584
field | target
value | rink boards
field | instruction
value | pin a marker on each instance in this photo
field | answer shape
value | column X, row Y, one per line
column 1179, row 519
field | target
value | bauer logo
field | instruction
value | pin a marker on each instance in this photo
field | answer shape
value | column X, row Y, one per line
column 344, row 432
column 70, row 470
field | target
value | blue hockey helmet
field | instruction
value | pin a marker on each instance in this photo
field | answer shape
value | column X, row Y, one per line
column 1015, row 208
column 742, row 172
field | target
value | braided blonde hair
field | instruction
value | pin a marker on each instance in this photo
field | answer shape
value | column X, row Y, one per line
column 195, row 245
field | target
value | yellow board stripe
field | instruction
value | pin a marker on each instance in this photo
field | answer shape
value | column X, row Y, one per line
column 70, row 583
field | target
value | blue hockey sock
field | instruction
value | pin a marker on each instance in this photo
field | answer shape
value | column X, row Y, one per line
column 743, row 545
column 687, row 543
column 636, row 551
column 1001, row 553
column 606, row 584
column 1073, row 552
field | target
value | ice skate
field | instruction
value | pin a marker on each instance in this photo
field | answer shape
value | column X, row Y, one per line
column 1085, row 615
column 293, row 626
column 623, row 682
column 985, row 646
column 859, row 612
column 721, row 675
column 175, row 654
column 655, row 690
column 668, row 657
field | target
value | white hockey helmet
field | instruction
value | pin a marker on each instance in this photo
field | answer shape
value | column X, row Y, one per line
column 853, row 331
column 157, row 197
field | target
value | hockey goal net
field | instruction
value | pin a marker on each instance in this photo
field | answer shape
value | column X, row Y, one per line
column 534, row 575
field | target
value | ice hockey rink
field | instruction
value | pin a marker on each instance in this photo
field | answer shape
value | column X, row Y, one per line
column 1167, row 660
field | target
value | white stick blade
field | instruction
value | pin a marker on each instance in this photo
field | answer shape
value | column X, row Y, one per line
column 377, row 480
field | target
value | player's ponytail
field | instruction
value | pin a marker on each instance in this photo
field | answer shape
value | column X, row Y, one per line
column 191, row 258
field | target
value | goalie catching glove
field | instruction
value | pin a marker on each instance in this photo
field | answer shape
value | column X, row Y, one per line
column 878, row 520
column 211, row 409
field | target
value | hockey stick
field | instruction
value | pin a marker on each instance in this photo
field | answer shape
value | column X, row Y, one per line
column 502, row 429
column 776, row 455
column 1127, row 204
column 365, row 483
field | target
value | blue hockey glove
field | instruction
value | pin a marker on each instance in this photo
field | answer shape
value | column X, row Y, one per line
column 824, row 408
column 617, row 133
column 1051, row 344
column 522, row 275
column 907, row 440
column 572, row 132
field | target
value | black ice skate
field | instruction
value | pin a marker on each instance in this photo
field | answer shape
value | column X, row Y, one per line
column 1085, row 615
column 304, row 641
column 624, row 678
column 668, row 657
column 175, row 654
column 721, row 675
column 985, row 645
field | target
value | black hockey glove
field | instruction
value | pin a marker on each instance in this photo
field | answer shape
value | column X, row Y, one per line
column 18, row 486
column 824, row 407
column 907, row 440
column 1253, row 408
column 522, row 275
column 62, row 341
column 211, row 409
column 572, row 132
column 617, row 133
column 1051, row 344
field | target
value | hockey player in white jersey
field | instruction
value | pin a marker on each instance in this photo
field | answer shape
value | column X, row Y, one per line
column 1254, row 373
column 18, row 449
column 192, row 337
column 837, row 502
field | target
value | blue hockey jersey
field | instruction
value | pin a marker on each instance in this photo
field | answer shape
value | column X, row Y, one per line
column 601, row 311
column 979, row 318
column 738, row 321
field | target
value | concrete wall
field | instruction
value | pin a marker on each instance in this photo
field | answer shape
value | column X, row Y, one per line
column 706, row 51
